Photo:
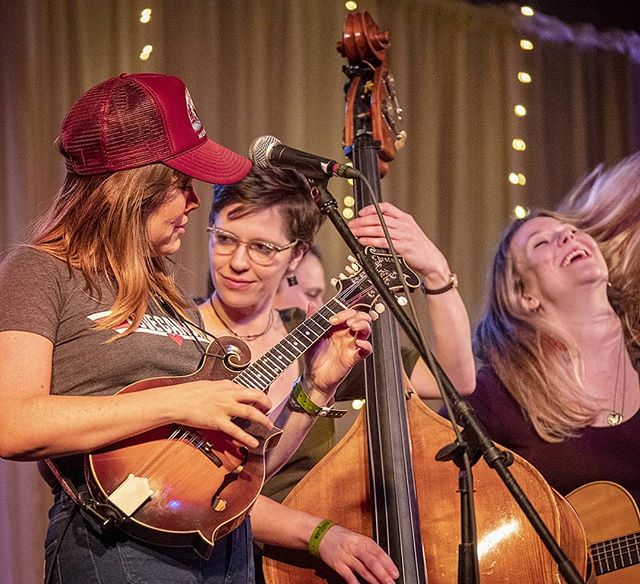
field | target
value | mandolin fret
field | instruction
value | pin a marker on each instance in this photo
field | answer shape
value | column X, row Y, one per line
column 615, row 554
column 265, row 370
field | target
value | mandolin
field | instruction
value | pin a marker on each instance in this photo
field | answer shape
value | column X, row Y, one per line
column 611, row 520
column 179, row 486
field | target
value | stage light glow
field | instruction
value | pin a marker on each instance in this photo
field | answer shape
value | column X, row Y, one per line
column 527, row 10
column 145, row 16
column 357, row 404
column 347, row 213
column 526, row 45
column 351, row 5
column 519, row 144
column 524, row 77
column 349, row 201
column 520, row 212
column 520, row 110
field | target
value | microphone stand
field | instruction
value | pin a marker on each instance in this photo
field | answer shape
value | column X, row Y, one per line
column 477, row 442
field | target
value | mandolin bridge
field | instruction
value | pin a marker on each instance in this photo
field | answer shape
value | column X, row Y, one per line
column 131, row 494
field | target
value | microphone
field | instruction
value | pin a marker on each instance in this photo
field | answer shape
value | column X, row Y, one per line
column 268, row 152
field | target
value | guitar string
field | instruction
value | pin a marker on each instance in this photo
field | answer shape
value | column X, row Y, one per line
column 614, row 559
column 613, row 548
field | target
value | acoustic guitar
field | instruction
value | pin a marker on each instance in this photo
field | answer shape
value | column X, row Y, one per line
column 611, row 521
column 179, row 486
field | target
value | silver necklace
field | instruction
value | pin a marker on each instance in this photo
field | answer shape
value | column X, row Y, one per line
column 234, row 333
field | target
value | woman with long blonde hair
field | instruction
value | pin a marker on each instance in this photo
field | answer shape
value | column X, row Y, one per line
column 558, row 342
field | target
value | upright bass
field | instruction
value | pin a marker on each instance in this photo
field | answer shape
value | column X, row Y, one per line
column 382, row 479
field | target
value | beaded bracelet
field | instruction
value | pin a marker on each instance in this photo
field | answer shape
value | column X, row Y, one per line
column 316, row 536
column 299, row 401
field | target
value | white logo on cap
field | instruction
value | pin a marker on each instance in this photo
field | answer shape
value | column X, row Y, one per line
column 196, row 124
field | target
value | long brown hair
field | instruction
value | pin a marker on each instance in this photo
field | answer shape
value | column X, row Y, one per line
column 98, row 225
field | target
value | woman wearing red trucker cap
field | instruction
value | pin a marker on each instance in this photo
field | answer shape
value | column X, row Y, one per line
column 89, row 307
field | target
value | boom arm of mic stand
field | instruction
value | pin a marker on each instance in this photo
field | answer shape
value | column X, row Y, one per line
column 475, row 432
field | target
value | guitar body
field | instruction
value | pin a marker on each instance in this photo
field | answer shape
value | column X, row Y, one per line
column 608, row 512
column 202, row 483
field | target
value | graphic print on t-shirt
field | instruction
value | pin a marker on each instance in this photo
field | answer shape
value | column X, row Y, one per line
column 161, row 325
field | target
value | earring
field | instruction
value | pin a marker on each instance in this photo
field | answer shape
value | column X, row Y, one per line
column 292, row 280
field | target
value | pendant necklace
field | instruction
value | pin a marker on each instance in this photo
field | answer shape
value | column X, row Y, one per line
column 234, row 333
column 615, row 417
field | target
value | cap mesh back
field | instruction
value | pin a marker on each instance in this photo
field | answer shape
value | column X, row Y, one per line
column 127, row 132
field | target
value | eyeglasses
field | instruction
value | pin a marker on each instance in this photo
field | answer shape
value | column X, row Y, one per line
column 261, row 252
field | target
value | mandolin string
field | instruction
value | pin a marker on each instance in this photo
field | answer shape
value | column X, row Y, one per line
column 163, row 451
column 177, row 438
column 158, row 460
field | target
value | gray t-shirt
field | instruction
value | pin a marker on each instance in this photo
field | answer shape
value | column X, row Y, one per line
column 40, row 294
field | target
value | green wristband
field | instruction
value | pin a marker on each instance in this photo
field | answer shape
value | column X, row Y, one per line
column 318, row 534
column 299, row 401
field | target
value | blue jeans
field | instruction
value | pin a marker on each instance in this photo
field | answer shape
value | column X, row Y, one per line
column 89, row 557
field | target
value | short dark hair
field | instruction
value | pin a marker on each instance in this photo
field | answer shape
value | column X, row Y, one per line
column 262, row 189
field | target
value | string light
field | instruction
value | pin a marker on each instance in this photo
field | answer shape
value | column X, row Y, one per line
column 357, row 404
column 520, row 212
column 517, row 178
column 145, row 16
column 146, row 52
column 351, row 5
column 518, row 143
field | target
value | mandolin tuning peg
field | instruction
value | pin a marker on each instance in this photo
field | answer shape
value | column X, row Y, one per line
column 355, row 266
column 349, row 270
column 374, row 315
column 342, row 276
column 379, row 308
column 402, row 301
column 352, row 259
column 334, row 282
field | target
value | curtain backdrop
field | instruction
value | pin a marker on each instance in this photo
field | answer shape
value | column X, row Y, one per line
column 270, row 67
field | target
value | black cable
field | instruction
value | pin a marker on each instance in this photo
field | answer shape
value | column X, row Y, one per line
column 56, row 550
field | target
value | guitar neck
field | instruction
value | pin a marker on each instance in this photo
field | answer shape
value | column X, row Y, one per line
column 265, row 370
column 617, row 553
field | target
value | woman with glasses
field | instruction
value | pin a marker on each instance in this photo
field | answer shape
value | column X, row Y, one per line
column 259, row 230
